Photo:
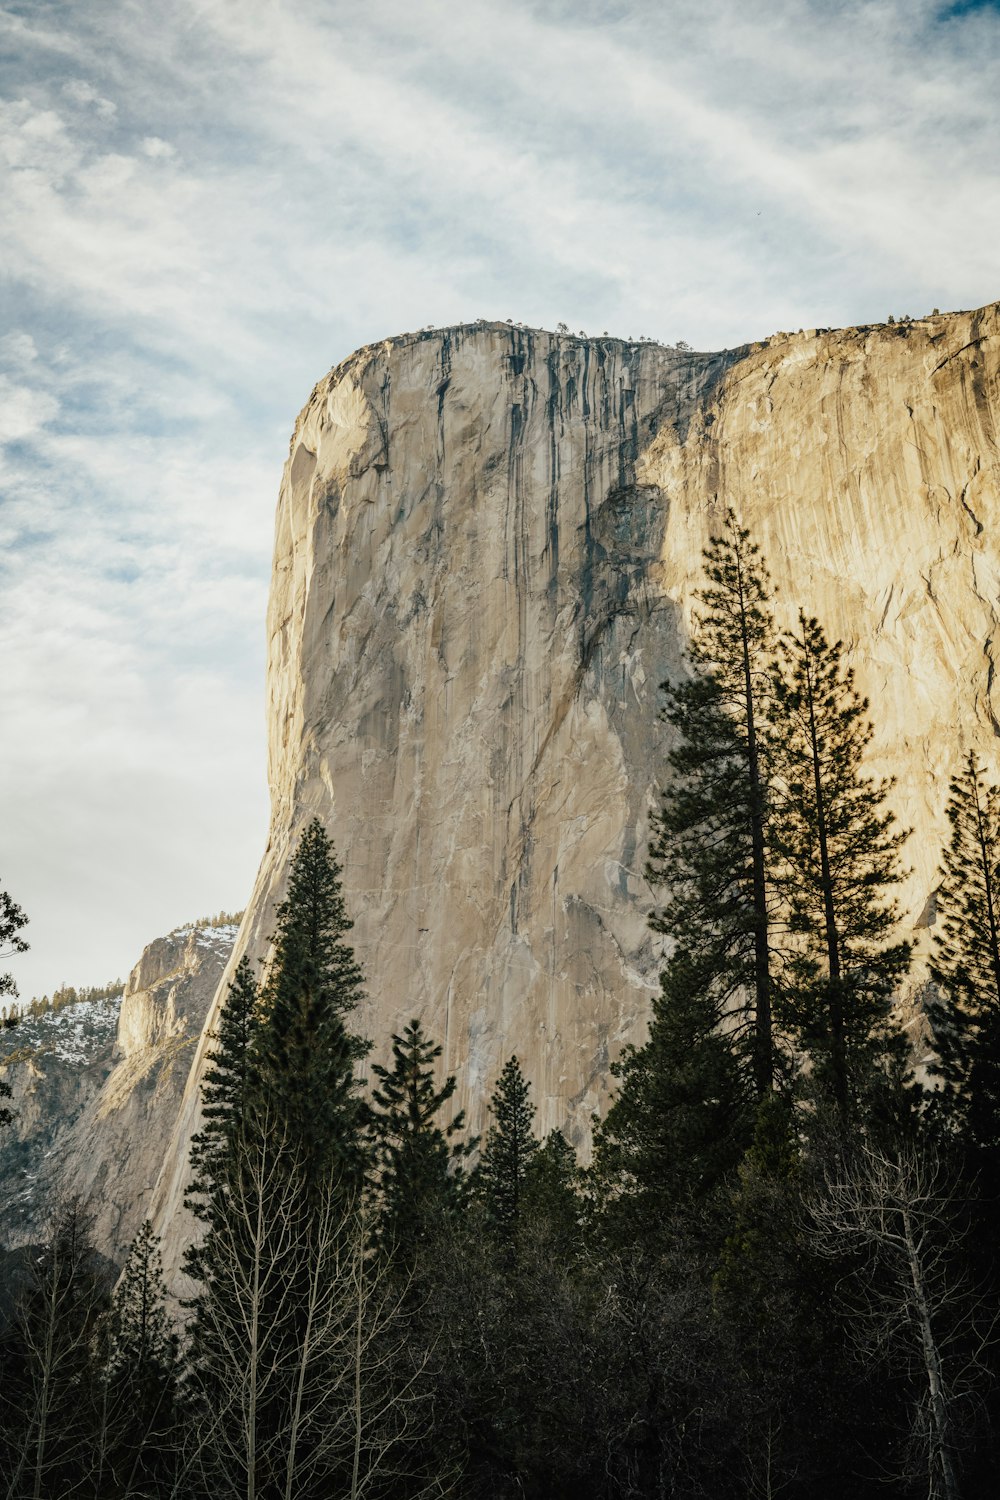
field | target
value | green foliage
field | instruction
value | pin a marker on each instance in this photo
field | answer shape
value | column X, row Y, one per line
column 305, row 1057
column 419, row 1164
column 553, row 1205
column 12, row 920
column 682, row 1113
column 837, row 858
column 966, row 961
column 710, row 835
column 503, row 1168
column 140, row 1377
column 225, row 1090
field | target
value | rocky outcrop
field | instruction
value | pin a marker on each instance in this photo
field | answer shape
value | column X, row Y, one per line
column 488, row 541
column 98, row 1090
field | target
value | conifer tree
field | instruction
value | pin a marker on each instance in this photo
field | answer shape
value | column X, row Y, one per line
column 141, row 1376
column 226, row 1089
column 838, row 853
column 710, row 840
column 507, row 1156
column 280, row 1191
column 305, row 1056
column 418, row 1162
column 12, row 919
column 966, row 962
column 551, row 1200
column 683, row 1109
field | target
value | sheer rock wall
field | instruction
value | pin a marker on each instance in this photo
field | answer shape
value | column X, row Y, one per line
column 97, row 1105
column 487, row 545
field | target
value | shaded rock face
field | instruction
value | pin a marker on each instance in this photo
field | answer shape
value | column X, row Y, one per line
column 487, row 547
column 98, row 1100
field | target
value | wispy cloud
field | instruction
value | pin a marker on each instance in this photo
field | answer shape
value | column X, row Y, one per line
column 208, row 203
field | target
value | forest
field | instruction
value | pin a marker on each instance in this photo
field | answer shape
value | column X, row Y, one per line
column 773, row 1276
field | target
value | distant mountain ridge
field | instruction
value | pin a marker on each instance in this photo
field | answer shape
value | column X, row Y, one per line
column 96, row 1083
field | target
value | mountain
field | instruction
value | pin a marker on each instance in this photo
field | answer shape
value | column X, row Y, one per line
column 487, row 545
column 96, row 1088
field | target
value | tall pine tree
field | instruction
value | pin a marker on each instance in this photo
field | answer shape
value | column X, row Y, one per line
column 50, row 1416
column 510, row 1147
column 838, row 856
column 226, row 1090
column 710, row 839
column 682, row 1113
column 282, row 1161
column 305, row 1056
column 141, row 1379
column 419, row 1162
column 966, row 961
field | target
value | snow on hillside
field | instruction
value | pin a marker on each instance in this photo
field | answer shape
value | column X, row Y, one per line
column 217, row 938
column 74, row 1033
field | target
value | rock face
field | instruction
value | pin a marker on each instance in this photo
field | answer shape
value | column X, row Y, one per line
column 488, row 542
column 97, row 1100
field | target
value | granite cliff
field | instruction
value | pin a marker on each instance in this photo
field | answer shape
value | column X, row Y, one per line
column 487, row 543
column 97, row 1087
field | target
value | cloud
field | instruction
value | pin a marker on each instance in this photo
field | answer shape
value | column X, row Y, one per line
column 23, row 411
column 207, row 204
column 159, row 150
column 81, row 92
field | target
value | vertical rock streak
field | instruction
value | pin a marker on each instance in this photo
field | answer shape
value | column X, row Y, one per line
column 487, row 542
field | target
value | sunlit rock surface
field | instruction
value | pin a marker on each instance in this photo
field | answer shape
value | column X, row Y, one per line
column 488, row 541
column 98, row 1088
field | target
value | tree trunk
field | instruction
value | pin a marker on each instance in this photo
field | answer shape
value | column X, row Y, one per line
column 940, row 1459
column 763, row 1039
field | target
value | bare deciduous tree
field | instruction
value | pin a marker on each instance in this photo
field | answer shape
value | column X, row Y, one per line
column 298, row 1344
column 911, row 1300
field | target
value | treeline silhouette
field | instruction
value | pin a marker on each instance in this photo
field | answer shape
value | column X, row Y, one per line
column 775, row 1277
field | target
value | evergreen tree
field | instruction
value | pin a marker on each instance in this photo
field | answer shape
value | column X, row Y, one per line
column 551, row 1199
column 419, row 1164
column 838, row 849
column 281, row 1168
column 12, row 919
column 304, row 1055
column 226, row 1089
column 710, row 840
column 507, row 1156
column 682, row 1114
column 966, row 961
column 141, row 1377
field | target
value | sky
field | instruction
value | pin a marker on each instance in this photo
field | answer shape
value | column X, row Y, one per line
column 206, row 204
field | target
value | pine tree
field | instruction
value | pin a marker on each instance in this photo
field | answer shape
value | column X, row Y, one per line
column 683, row 1110
column 304, row 1055
column 551, row 1199
column 419, row 1164
column 12, row 919
column 838, row 848
column 281, row 1193
column 226, row 1089
column 141, row 1377
column 966, row 962
column 510, row 1147
column 710, row 842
